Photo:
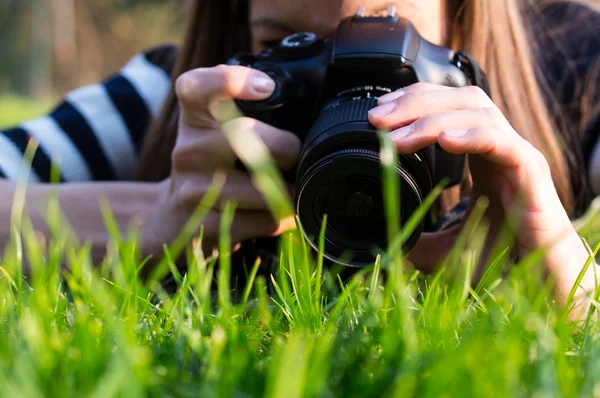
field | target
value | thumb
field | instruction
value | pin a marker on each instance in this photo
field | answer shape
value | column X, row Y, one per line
column 198, row 89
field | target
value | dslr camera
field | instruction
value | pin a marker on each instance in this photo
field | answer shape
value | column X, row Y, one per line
column 324, row 89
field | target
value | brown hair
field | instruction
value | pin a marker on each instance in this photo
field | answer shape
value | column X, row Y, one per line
column 209, row 40
column 491, row 31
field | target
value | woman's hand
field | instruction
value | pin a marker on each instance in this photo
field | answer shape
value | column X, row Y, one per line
column 505, row 168
column 202, row 149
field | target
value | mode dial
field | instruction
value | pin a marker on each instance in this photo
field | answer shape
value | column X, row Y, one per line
column 300, row 40
column 298, row 46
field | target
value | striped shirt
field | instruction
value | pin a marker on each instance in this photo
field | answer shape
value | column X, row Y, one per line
column 96, row 132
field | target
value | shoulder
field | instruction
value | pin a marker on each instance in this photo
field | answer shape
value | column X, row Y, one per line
column 163, row 56
column 96, row 131
column 567, row 44
column 568, row 22
column 117, row 112
column 149, row 74
column 567, row 16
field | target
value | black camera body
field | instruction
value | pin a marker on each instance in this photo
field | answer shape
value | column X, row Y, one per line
column 324, row 89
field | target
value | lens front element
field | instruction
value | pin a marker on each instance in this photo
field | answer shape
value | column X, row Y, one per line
column 346, row 186
column 354, row 208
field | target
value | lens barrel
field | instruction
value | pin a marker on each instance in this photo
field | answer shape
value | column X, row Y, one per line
column 339, row 175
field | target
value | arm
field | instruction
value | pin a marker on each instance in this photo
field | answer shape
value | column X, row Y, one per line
column 508, row 171
column 162, row 209
column 80, row 204
column 564, row 261
column 94, row 134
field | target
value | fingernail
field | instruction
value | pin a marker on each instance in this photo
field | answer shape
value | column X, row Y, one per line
column 263, row 84
column 401, row 132
column 390, row 97
column 455, row 133
column 383, row 110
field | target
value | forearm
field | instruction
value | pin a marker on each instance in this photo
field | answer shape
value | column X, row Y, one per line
column 565, row 261
column 80, row 203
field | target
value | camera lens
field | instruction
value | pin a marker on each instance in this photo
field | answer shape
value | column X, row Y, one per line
column 339, row 175
column 354, row 208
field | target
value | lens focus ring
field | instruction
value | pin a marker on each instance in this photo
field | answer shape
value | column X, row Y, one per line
column 355, row 110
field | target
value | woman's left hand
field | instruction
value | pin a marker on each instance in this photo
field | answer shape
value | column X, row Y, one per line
column 505, row 168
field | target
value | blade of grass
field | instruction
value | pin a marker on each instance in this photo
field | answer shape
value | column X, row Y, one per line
column 191, row 227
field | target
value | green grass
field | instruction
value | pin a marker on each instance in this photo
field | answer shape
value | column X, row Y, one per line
column 102, row 331
column 15, row 109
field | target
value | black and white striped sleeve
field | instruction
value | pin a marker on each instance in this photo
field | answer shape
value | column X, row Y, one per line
column 96, row 132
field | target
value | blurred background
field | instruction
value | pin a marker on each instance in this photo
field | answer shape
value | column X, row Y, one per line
column 48, row 47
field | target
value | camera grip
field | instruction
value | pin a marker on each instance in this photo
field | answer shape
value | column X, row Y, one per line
column 448, row 166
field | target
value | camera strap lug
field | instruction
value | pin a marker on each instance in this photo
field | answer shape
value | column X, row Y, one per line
column 471, row 68
column 391, row 11
column 360, row 13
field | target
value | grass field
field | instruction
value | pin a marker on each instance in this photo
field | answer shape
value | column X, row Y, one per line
column 16, row 109
column 389, row 331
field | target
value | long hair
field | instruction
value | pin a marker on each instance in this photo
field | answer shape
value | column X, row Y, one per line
column 209, row 40
column 492, row 31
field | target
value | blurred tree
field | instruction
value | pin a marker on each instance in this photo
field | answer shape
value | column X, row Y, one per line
column 14, row 45
column 48, row 47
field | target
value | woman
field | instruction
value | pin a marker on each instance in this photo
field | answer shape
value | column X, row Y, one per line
column 533, row 150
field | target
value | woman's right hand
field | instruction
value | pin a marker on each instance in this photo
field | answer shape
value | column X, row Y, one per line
column 201, row 149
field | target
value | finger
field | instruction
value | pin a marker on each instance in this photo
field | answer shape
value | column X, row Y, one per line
column 494, row 146
column 411, row 89
column 212, row 149
column 425, row 131
column 199, row 88
column 250, row 225
column 238, row 188
column 424, row 86
column 411, row 106
column 255, row 140
column 432, row 248
column 527, row 167
column 246, row 225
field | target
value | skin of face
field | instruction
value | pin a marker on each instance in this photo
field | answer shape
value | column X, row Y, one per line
column 272, row 20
